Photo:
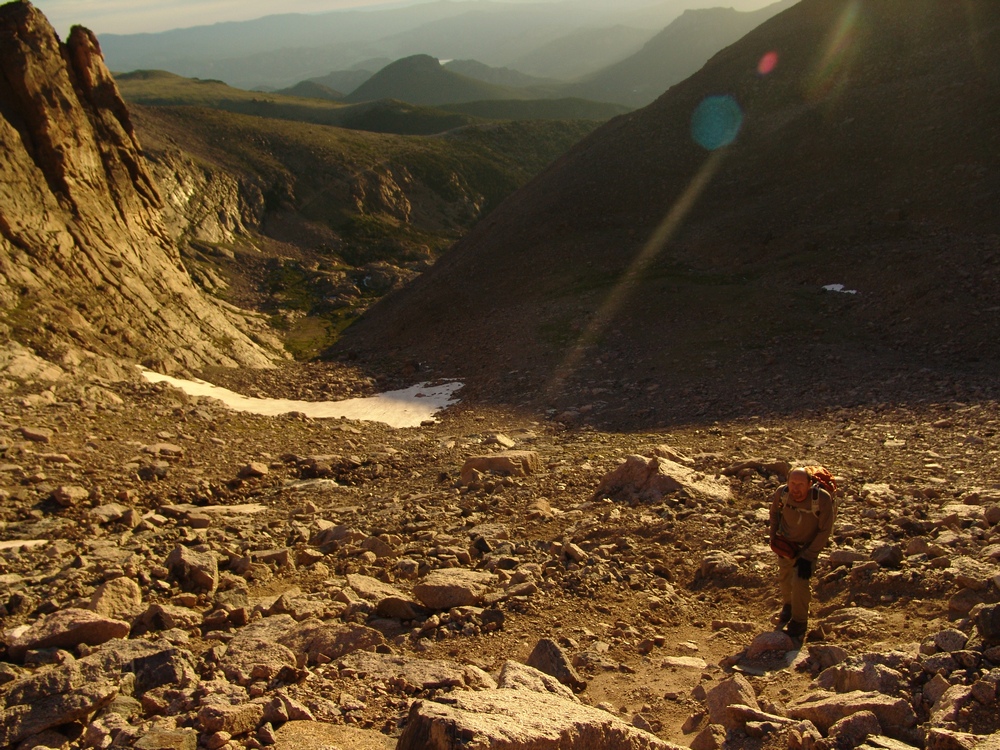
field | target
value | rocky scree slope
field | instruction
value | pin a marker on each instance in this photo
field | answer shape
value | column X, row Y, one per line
column 173, row 572
column 867, row 156
column 86, row 266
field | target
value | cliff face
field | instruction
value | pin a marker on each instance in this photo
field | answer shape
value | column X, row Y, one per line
column 85, row 261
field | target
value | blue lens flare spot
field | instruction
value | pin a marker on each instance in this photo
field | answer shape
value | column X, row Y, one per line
column 716, row 122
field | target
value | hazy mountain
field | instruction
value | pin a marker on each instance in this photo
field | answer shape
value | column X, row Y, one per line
column 421, row 79
column 281, row 50
column 348, row 80
column 868, row 155
column 538, row 109
column 157, row 88
column 673, row 54
column 581, row 52
column 497, row 76
column 312, row 90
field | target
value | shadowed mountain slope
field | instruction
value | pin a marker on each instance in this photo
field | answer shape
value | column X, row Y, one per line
column 869, row 156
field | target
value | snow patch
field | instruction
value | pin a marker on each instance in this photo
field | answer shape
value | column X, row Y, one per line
column 406, row 408
column 839, row 288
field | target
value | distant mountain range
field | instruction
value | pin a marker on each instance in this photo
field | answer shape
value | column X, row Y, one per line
column 551, row 39
column 674, row 54
column 421, row 79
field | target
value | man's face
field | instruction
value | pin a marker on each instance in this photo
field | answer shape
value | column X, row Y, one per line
column 798, row 486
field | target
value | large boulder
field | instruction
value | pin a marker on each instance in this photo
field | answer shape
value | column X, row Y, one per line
column 548, row 657
column 67, row 693
column 731, row 691
column 454, row 587
column 67, row 629
column 649, row 479
column 511, row 720
column 195, row 571
column 825, row 709
column 388, row 600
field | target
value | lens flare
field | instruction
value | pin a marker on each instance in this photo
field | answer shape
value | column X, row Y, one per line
column 833, row 68
column 716, row 122
column 767, row 63
column 630, row 280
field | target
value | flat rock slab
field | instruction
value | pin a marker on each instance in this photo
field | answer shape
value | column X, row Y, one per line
column 311, row 638
column 414, row 675
column 20, row 544
column 684, row 662
column 825, row 709
column 316, row 735
column 454, row 587
column 519, row 720
column 67, row 629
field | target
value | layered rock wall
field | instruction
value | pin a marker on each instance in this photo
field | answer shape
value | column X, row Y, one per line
column 85, row 261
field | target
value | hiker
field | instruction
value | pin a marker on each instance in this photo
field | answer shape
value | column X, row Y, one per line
column 802, row 515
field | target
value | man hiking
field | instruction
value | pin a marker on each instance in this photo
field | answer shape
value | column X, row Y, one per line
column 802, row 515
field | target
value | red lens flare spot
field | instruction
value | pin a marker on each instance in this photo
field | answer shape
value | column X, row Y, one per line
column 767, row 63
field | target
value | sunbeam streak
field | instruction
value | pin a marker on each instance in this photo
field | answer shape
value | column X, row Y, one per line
column 632, row 276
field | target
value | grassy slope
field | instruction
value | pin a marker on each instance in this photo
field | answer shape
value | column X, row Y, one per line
column 340, row 199
column 159, row 89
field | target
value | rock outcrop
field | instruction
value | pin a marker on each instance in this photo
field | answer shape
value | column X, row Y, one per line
column 86, row 265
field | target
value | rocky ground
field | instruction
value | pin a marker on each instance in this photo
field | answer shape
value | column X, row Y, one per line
column 175, row 575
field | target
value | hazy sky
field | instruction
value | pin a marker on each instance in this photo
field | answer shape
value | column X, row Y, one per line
column 133, row 16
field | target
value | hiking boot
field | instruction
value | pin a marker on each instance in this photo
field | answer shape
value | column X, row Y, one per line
column 795, row 629
column 782, row 618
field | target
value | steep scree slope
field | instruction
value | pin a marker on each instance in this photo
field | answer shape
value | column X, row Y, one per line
column 868, row 156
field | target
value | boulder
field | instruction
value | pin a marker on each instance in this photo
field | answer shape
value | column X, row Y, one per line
column 168, row 739
column 649, row 479
column 67, row 693
column 988, row 623
column 825, row 709
column 313, row 640
column 412, row 675
column 119, row 598
column 250, row 659
column 517, row 676
column 453, row 587
column 388, row 600
column 852, row 730
column 234, row 720
column 67, row 629
column 195, row 571
column 770, row 642
column 507, row 463
column 733, row 690
column 548, row 657
column 506, row 719
column 867, row 677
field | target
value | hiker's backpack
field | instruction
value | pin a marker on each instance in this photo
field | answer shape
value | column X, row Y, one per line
column 821, row 475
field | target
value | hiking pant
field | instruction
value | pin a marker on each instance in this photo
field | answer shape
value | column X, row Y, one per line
column 794, row 590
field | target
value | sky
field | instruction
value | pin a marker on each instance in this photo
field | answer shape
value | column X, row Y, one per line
column 136, row 16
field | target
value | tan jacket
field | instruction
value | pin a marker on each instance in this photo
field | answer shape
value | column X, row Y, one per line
column 797, row 522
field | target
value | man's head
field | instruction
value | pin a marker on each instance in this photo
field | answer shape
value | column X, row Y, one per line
column 799, row 484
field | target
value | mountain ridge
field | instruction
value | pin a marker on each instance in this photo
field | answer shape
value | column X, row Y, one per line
column 86, row 267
